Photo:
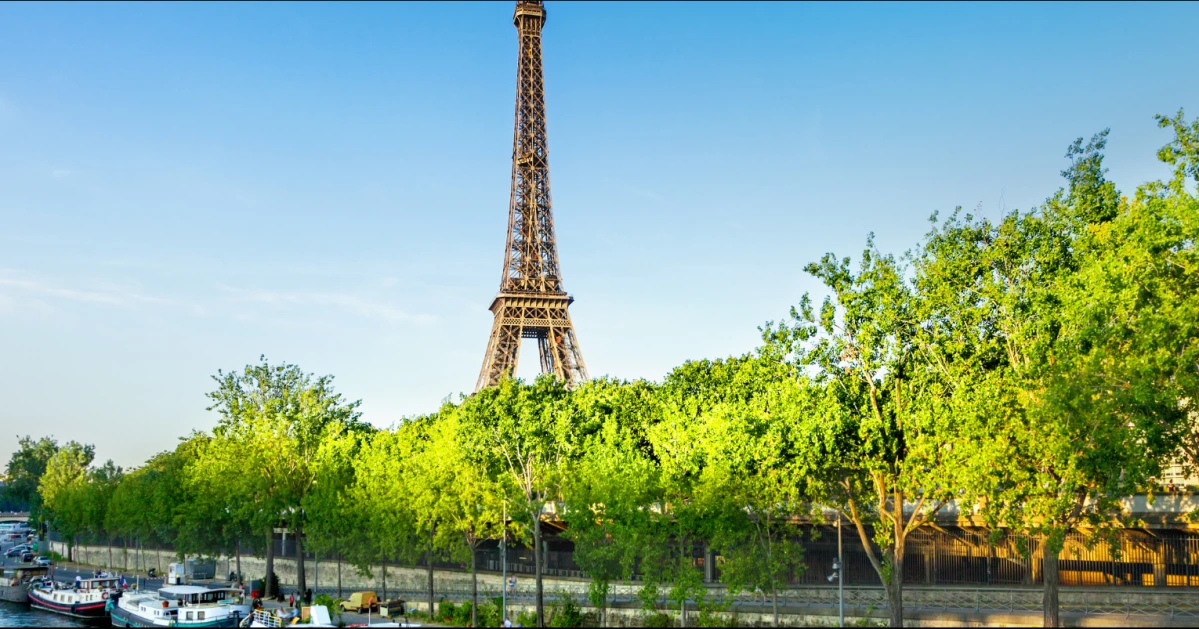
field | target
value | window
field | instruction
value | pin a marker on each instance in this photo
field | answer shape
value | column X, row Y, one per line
column 189, row 616
column 199, row 615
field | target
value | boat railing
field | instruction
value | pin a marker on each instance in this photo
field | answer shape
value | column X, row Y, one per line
column 262, row 618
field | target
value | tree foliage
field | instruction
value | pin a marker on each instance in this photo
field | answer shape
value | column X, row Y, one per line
column 1034, row 371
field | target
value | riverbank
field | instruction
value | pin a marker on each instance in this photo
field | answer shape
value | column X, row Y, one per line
column 809, row 606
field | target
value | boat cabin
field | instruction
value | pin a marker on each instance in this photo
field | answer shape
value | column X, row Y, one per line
column 106, row 583
column 22, row 574
column 185, row 595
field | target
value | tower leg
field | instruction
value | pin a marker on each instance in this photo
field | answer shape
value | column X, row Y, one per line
column 503, row 353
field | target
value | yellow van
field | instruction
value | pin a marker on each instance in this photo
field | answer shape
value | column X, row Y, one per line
column 360, row 602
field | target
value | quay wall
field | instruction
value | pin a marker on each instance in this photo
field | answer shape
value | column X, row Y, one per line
column 803, row 606
column 323, row 574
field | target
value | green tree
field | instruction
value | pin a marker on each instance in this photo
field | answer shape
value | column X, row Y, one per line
column 749, row 486
column 24, row 473
column 464, row 502
column 63, row 490
column 378, row 506
column 100, row 483
column 609, row 490
column 727, row 463
column 524, row 435
column 885, row 437
column 273, row 421
column 1082, row 320
column 327, row 528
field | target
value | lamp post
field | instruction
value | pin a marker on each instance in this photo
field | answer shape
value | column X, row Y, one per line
column 504, row 564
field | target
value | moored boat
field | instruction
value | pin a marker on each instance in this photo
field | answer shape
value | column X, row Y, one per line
column 14, row 583
column 181, row 606
column 84, row 599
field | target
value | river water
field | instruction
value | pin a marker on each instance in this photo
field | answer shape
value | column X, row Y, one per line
column 13, row 615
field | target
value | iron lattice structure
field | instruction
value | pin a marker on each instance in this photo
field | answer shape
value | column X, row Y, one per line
column 531, row 302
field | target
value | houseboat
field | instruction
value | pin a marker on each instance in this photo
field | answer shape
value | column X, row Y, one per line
column 182, row 606
column 85, row 598
column 14, row 583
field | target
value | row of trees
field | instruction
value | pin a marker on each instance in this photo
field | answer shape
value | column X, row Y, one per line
column 1031, row 372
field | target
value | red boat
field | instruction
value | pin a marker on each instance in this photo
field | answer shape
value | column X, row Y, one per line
column 85, row 598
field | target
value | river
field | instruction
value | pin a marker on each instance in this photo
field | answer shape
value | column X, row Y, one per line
column 14, row 615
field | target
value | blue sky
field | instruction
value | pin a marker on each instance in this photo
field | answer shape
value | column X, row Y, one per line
column 184, row 187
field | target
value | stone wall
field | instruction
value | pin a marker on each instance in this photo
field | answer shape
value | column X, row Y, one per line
column 806, row 606
column 323, row 574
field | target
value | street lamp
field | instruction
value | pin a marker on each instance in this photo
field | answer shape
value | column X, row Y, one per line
column 504, row 564
column 839, row 566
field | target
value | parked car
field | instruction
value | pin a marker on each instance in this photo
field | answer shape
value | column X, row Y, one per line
column 42, row 561
column 361, row 601
column 27, row 557
column 16, row 551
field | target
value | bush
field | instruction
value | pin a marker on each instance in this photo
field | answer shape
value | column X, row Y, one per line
column 489, row 613
column 658, row 619
column 332, row 604
column 565, row 614
column 461, row 615
column 445, row 611
column 528, row 619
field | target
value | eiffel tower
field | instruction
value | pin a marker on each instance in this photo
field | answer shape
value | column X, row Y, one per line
column 531, row 303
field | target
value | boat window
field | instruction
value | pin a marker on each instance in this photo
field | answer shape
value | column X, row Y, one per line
column 200, row 616
column 189, row 616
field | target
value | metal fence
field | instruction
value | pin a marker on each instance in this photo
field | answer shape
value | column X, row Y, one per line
column 861, row 600
column 955, row 556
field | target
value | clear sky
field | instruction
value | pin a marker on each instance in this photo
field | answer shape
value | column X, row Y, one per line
column 184, row 187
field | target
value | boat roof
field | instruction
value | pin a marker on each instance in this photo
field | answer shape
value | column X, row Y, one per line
column 184, row 589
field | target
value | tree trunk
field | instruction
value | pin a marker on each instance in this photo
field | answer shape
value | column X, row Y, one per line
column 301, row 578
column 383, row 563
column 268, row 588
column 895, row 589
column 1050, row 573
column 682, row 603
column 774, row 603
column 238, row 551
column 339, row 576
column 430, row 560
column 537, row 566
column 474, row 591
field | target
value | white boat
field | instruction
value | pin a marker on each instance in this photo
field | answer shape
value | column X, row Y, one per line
column 319, row 618
column 272, row 620
column 182, row 606
column 85, row 598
